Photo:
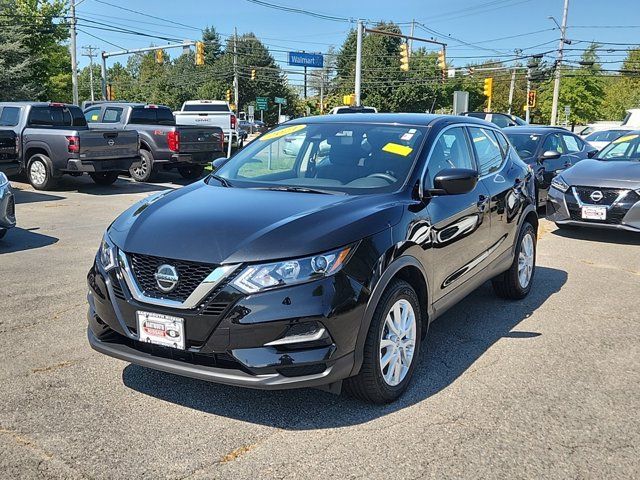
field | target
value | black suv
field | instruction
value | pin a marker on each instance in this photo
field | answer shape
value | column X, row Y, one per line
column 324, row 265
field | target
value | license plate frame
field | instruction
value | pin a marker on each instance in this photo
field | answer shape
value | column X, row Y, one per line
column 160, row 329
column 594, row 212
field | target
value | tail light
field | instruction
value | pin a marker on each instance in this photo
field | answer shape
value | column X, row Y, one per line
column 73, row 144
column 233, row 122
column 17, row 143
column 173, row 139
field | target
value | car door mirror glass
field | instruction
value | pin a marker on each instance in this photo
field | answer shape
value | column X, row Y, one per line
column 592, row 153
column 550, row 155
column 218, row 162
column 454, row 181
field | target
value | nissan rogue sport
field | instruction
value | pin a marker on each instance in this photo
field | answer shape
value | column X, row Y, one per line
column 321, row 268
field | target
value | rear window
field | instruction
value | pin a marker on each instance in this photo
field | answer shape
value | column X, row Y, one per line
column 152, row 116
column 355, row 110
column 10, row 116
column 605, row 135
column 206, row 107
column 65, row 116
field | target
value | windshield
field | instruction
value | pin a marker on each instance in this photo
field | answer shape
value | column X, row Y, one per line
column 605, row 135
column 526, row 144
column 353, row 158
column 624, row 148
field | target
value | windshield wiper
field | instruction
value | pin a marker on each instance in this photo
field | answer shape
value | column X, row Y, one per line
column 222, row 180
column 290, row 188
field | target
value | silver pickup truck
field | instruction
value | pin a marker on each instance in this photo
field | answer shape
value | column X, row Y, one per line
column 53, row 139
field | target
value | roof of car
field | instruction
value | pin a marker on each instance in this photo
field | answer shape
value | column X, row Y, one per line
column 34, row 104
column 539, row 129
column 415, row 119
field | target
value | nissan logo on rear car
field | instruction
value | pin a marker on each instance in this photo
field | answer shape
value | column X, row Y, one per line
column 111, row 142
column 166, row 277
column 596, row 195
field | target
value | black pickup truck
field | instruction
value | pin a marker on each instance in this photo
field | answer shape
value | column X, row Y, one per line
column 52, row 139
column 9, row 160
column 162, row 143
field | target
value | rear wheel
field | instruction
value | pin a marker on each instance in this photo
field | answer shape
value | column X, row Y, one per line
column 143, row 171
column 104, row 178
column 39, row 172
column 191, row 172
column 391, row 348
column 516, row 282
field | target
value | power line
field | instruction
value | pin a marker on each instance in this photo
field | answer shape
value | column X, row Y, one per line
column 301, row 11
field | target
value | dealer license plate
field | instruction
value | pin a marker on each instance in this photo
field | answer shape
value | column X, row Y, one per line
column 594, row 213
column 161, row 329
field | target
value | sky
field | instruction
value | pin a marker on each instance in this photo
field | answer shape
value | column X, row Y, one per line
column 473, row 29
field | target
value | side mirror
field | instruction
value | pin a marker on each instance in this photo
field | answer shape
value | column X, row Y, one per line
column 592, row 153
column 454, row 181
column 550, row 155
column 218, row 162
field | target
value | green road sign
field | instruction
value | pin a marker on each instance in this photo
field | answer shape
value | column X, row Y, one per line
column 261, row 103
column 280, row 100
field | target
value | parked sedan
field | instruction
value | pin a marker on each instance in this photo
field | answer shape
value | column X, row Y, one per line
column 602, row 138
column 548, row 150
column 7, row 206
column 602, row 192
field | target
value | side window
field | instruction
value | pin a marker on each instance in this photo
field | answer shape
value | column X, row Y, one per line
column 450, row 151
column 10, row 116
column 92, row 115
column 572, row 143
column 504, row 144
column 487, row 149
column 143, row 116
column 500, row 120
column 553, row 143
column 112, row 115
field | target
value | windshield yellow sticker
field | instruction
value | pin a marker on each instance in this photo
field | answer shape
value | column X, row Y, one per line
column 94, row 117
column 626, row 138
column 397, row 149
column 282, row 132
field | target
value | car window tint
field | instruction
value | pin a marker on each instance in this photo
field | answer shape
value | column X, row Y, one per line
column 504, row 145
column 553, row 143
column 451, row 150
column 143, row 116
column 500, row 120
column 112, row 115
column 487, row 150
column 10, row 116
column 164, row 116
column 279, row 156
column 92, row 115
column 572, row 143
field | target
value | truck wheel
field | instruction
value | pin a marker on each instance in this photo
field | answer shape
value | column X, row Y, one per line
column 191, row 172
column 39, row 172
column 515, row 283
column 391, row 348
column 104, row 178
column 143, row 171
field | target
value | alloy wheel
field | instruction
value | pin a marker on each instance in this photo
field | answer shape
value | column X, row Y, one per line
column 397, row 342
column 526, row 260
column 37, row 172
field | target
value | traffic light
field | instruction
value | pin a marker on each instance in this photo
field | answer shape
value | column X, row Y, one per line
column 228, row 95
column 404, row 57
column 442, row 63
column 531, row 99
column 159, row 57
column 253, row 74
column 199, row 53
column 349, row 99
column 488, row 91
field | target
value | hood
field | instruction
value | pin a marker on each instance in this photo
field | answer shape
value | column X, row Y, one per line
column 214, row 224
column 605, row 174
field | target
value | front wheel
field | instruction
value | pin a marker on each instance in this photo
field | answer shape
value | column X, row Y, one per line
column 143, row 170
column 391, row 348
column 191, row 172
column 104, row 178
column 516, row 282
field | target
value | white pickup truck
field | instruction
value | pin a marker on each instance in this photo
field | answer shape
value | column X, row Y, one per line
column 211, row 113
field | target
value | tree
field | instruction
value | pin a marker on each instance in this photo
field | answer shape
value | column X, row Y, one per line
column 15, row 68
column 623, row 91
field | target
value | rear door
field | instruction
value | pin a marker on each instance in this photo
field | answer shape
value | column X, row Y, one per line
column 460, row 223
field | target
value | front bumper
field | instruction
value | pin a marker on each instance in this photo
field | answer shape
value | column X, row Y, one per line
column 565, row 209
column 228, row 343
column 7, row 207
column 91, row 166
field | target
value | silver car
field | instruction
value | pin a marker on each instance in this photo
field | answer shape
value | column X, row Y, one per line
column 7, row 206
column 600, row 192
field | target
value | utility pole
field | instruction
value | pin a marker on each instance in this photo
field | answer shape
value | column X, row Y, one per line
column 527, row 111
column 556, row 83
column 321, row 93
column 358, row 79
column 72, row 50
column 413, row 28
column 235, row 70
column 305, row 83
column 512, row 88
column 89, row 52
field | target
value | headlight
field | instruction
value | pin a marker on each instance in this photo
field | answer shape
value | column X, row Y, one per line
column 559, row 184
column 3, row 179
column 107, row 253
column 256, row 278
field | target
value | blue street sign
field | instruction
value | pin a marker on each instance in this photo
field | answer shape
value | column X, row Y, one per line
column 301, row 59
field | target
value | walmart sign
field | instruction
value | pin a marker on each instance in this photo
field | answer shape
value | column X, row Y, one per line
column 301, row 59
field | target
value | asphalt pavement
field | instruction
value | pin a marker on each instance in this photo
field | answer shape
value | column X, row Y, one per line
column 548, row 387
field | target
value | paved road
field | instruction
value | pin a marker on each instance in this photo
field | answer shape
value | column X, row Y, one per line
column 547, row 387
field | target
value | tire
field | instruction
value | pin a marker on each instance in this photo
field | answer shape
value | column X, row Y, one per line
column 39, row 172
column 104, row 178
column 371, row 384
column 191, row 172
column 3, row 232
column 143, row 171
column 515, row 283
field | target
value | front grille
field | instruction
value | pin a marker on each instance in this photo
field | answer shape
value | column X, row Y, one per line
column 191, row 274
column 609, row 195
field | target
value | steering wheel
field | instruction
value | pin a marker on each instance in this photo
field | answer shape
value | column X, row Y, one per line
column 385, row 176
